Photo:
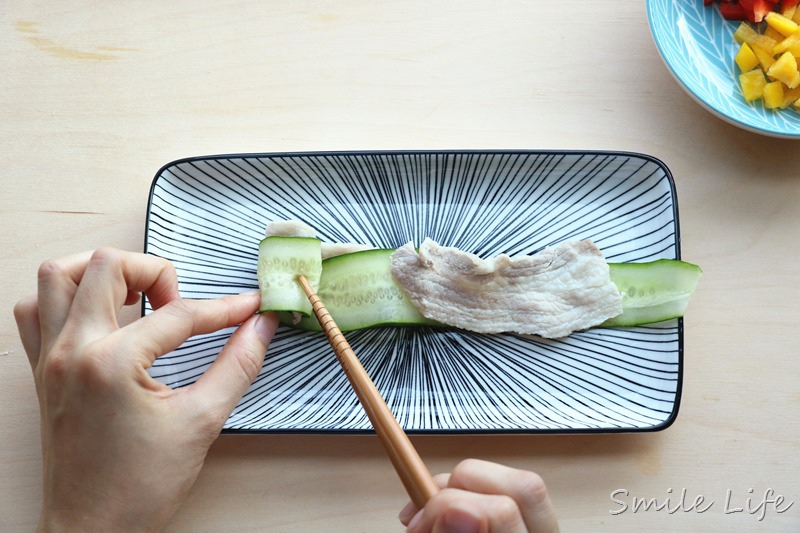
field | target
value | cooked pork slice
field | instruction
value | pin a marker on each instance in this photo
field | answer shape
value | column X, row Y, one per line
column 296, row 228
column 332, row 249
column 551, row 294
column 290, row 228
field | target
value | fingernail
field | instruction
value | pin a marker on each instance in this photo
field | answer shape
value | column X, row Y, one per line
column 415, row 520
column 407, row 512
column 251, row 295
column 265, row 326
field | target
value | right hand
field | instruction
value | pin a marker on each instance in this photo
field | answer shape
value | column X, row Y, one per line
column 479, row 497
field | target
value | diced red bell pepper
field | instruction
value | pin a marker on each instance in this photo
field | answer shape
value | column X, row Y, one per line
column 756, row 10
column 732, row 11
column 753, row 11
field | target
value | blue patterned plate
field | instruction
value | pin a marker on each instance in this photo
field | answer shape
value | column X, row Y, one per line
column 697, row 45
column 208, row 214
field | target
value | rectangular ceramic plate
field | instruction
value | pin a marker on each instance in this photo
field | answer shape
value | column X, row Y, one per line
column 208, row 214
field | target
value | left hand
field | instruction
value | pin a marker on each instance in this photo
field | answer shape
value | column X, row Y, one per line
column 120, row 449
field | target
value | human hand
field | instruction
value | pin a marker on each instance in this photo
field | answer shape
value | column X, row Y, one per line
column 120, row 449
column 479, row 497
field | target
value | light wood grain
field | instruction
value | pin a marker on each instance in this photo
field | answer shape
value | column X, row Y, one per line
column 95, row 97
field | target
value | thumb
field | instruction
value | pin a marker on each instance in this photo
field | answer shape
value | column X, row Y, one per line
column 222, row 385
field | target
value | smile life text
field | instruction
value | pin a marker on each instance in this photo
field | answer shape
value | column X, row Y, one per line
column 752, row 503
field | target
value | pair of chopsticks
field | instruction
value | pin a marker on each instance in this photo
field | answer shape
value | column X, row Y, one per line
column 415, row 476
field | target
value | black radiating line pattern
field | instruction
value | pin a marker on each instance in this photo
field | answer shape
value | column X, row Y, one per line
column 207, row 215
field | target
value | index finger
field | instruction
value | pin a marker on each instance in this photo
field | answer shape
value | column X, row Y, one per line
column 108, row 280
column 58, row 281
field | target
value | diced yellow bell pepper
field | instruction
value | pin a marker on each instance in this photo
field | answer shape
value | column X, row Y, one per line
column 785, row 70
column 772, row 33
column 773, row 95
column 790, row 96
column 745, row 34
column 783, row 25
column 745, row 58
column 790, row 44
column 768, row 61
column 753, row 83
column 765, row 59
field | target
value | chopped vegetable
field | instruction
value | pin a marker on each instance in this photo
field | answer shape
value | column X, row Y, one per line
column 753, row 11
column 753, row 84
column 785, row 70
column 790, row 44
column 746, row 34
column 746, row 58
column 767, row 61
column 756, row 10
column 773, row 95
column 791, row 96
column 783, row 25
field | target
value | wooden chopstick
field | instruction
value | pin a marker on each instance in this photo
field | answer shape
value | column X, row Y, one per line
column 409, row 466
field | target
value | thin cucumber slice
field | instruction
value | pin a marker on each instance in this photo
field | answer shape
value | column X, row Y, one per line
column 652, row 292
column 359, row 292
column 280, row 261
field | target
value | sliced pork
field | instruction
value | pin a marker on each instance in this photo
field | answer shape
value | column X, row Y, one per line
column 551, row 294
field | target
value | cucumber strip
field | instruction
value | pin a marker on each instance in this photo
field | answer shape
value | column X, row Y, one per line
column 280, row 261
column 652, row 292
column 359, row 291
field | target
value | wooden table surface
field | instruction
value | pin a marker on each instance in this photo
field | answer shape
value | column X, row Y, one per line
column 96, row 96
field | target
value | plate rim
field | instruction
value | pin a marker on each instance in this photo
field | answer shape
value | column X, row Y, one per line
column 676, row 404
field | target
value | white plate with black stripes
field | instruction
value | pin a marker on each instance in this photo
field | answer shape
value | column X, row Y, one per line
column 208, row 214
